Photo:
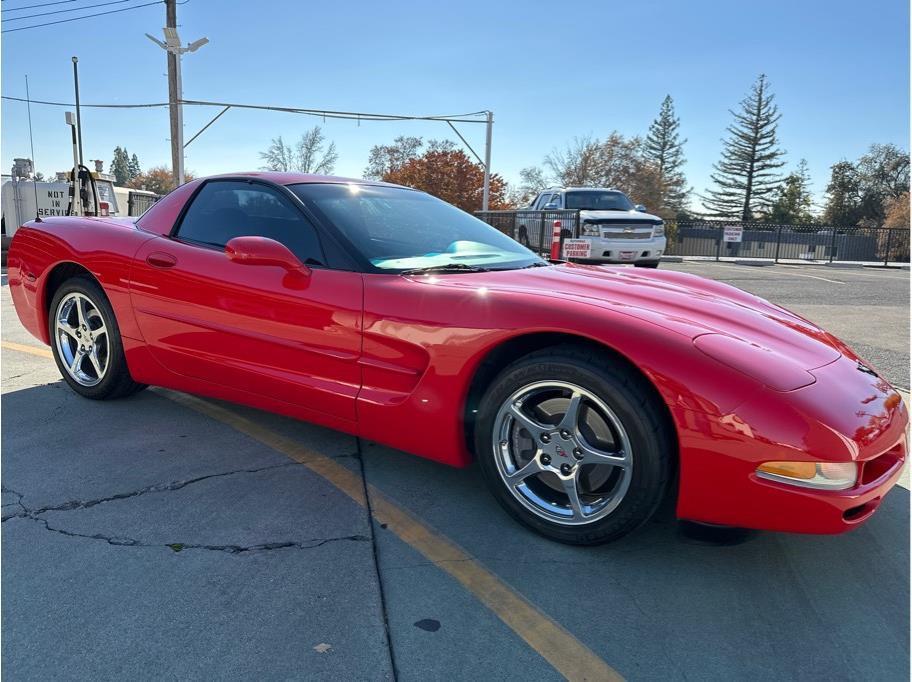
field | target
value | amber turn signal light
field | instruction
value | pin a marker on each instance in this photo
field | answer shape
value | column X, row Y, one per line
column 823, row 475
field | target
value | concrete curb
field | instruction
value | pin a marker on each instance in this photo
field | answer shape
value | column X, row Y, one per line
column 851, row 266
column 759, row 262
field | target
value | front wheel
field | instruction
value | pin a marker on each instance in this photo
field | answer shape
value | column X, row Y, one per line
column 574, row 444
column 85, row 341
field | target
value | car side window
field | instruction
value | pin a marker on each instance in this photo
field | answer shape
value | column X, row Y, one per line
column 223, row 210
column 542, row 200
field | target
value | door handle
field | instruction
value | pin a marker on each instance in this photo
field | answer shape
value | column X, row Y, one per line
column 160, row 259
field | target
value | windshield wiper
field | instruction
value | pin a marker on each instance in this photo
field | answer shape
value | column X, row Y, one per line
column 536, row 264
column 448, row 267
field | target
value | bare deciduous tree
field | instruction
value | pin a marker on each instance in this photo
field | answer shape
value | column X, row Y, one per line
column 309, row 155
column 388, row 158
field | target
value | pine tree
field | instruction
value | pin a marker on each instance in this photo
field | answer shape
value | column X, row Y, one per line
column 793, row 198
column 134, row 169
column 745, row 177
column 664, row 149
column 120, row 166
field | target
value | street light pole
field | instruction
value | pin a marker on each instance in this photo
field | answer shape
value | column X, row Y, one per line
column 78, row 116
column 486, row 196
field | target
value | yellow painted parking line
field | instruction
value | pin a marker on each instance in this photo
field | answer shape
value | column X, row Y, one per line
column 32, row 350
column 570, row 657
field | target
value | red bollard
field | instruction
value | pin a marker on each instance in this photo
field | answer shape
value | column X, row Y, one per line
column 555, row 241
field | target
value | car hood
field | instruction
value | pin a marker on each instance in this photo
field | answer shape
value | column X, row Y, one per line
column 679, row 302
column 620, row 216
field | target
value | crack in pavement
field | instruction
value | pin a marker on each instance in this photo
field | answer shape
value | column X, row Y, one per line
column 121, row 541
column 156, row 488
column 71, row 505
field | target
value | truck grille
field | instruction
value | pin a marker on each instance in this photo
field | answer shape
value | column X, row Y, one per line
column 616, row 233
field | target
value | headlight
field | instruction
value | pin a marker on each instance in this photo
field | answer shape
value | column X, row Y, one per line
column 590, row 231
column 822, row 475
column 658, row 230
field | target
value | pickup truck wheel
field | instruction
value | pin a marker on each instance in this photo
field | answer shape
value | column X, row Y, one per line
column 86, row 344
column 523, row 236
column 574, row 445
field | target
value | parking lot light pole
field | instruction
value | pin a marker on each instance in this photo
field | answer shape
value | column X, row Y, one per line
column 78, row 116
column 485, row 200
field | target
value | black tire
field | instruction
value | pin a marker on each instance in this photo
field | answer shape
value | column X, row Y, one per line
column 635, row 404
column 647, row 264
column 116, row 381
column 523, row 236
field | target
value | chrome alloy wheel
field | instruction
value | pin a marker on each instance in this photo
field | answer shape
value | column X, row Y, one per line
column 82, row 339
column 562, row 452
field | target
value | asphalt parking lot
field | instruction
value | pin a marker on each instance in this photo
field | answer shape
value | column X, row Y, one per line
column 168, row 536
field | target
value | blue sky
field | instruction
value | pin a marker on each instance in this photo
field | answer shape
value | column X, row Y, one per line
column 549, row 71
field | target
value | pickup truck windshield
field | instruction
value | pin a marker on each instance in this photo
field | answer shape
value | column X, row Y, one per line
column 397, row 229
column 598, row 201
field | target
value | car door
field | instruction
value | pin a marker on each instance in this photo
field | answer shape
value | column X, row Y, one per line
column 288, row 335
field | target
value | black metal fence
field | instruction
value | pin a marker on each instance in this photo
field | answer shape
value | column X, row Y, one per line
column 534, row 229
column 707, row 238
column 137, row 203
column 813, row 243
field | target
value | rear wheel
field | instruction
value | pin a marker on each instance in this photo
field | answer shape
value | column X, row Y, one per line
column 85, row 341
column 574, row 445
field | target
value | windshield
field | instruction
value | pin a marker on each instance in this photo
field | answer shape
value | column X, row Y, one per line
column 591, row 200
column 398, row 229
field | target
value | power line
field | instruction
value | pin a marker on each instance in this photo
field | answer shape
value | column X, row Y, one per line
column 472, row 117
column 94, row 106
column 62, row 11
column 40, row 4
column 87, row 16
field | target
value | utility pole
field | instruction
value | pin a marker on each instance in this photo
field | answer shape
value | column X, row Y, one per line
column 174, row 95
column 172, row 45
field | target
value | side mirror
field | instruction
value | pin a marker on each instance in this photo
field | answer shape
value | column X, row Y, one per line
column 550, row 207
column 640, row 208
column 263, row 251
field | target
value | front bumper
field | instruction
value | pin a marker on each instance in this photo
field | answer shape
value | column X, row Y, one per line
column 845, row 415
column 625, row 250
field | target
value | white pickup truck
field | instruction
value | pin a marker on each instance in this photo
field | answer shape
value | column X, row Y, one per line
column 611, row 228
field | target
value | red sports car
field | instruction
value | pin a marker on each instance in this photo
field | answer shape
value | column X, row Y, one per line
column 587, row 394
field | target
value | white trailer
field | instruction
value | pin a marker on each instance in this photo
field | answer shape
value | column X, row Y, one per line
column 19, row 205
